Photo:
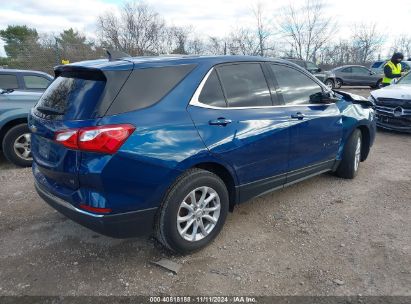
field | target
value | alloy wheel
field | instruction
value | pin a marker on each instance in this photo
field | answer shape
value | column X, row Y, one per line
column 357, row 157
column 198, row 214
column 22, row 146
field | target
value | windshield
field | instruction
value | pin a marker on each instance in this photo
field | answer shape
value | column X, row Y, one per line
column 406, row 79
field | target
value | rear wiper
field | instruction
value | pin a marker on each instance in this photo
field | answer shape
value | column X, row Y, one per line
column 49, row 111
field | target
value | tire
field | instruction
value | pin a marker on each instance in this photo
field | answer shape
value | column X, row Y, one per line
column 329, row 83
column 348, row 167
column 338, row 83
column 16, row 146
column 378, row 85
column 170, row 233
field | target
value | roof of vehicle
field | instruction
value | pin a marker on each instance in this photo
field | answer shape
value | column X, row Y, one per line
column 25, row 71
column 152, row 61
column 350, row 66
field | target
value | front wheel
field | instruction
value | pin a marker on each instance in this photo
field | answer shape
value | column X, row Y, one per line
column 193, row 212
column 348, row 167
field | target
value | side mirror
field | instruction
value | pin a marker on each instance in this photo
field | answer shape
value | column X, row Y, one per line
column 372, row 73
column 319, row 70
column 323, row 98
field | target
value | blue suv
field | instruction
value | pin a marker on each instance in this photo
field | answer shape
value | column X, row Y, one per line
column 169, row 145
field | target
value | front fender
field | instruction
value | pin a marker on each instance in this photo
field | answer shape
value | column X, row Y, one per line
column 356, row 116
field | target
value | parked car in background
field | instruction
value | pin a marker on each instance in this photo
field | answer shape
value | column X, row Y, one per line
column 24, row 80
column 393, row 105
column 14, row 133
column 356, row 75
column 326, row 77
column 377, row 67
column 171, row 144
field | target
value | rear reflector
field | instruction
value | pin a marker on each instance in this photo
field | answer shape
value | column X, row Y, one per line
column 102, row 139
column 95, row 209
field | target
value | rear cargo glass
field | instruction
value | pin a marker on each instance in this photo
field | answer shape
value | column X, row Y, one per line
column 148, row 86
column 377, row 64
column 70, row 98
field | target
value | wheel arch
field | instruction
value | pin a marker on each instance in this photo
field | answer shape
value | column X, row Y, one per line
column 365, row 141
column 226, row 176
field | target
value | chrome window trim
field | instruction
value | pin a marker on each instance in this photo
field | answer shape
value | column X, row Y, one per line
column 196, row 103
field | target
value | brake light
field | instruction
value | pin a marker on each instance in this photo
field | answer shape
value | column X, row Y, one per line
column 102, row 139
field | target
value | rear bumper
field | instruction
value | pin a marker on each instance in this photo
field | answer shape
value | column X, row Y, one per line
column 123, row 225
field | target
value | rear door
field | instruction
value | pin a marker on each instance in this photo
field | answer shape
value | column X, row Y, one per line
column 234, row 114
column 362, row 76
column 315, row 129
column 347, row 76
column 73, row 100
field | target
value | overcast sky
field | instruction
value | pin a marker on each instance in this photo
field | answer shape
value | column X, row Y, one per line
column 209, row 17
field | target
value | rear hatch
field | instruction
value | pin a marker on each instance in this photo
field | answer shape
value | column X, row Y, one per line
column 78, row 97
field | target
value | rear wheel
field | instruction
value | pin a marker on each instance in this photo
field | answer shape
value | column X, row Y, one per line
column 17, row 146
column 348, row 167
column 338, row 83
column 329, row 83
column 378, row 84
column 193, row 212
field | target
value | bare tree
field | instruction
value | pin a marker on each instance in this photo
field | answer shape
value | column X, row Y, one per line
column 138, row 30
column 263, row 30
column 216, row 46
column 367, row 40
column 402, row 44
column 306, row 28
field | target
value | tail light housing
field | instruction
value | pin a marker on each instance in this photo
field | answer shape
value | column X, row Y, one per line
column 102, row 139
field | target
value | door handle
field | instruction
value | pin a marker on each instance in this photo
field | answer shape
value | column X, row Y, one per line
column 221, row 121
column 298, row 116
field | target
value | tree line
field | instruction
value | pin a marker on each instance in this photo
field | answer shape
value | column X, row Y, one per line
column 305, row 31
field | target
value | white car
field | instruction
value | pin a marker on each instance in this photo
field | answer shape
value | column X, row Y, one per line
column 393, row 105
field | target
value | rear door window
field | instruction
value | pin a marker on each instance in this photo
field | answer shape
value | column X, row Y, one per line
column 296, row 87
column 8, row 81
column 360, row 70
column 35, row 82
column 244, row 85
column 212, row 93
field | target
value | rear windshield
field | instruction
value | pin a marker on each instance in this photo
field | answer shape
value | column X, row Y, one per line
column 377, row 64
column 70, row 98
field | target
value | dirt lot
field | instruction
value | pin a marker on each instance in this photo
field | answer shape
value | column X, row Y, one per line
column 324, row 236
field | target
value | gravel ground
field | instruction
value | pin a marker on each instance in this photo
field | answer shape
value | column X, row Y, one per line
column 324, row 236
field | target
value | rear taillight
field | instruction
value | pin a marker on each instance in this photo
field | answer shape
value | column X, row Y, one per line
column 103, row 139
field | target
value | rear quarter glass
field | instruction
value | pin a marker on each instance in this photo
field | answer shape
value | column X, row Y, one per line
column 147, row 86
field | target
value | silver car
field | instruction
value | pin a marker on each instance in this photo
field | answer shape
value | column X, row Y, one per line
column 356, row 75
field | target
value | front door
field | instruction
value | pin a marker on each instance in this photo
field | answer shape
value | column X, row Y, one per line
column 238, row 123
column 315, row 129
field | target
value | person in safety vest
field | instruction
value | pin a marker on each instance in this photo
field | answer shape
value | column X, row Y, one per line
column 392, row 69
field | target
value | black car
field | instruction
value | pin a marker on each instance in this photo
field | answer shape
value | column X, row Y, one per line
column 24, row 80
column 326, row 77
